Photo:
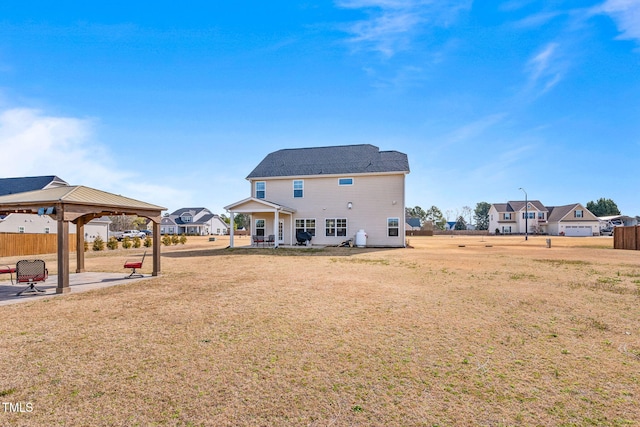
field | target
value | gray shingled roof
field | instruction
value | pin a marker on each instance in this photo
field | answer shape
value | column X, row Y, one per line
column 29, row 183
column 342, row 160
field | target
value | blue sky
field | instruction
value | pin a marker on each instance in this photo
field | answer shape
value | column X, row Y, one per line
column 176, row 104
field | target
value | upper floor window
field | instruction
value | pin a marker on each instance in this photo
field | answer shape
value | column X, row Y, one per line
column 507, row 216
column 261, row 189
column 298, row 188
column 577, row 213
column 530, row 215
column 187, row 218
column 345, row 181
column 540, row 215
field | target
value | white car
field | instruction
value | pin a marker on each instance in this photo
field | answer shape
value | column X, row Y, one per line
column 132, row 233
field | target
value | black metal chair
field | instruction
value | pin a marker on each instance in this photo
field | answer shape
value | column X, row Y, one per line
column 271, row 240
column 31, row 271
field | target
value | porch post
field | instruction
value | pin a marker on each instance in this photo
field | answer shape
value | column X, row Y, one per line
column 276, row 226
column 231, row 227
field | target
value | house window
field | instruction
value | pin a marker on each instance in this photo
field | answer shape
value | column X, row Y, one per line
column 298, row 188
column 530, row 215
column 20, row 229
column 577, row 213
column 305, row 224
column 260, row 226
column 187, row 218
column 335, row 227
column 507, row 216
column 261, row 189
column 541, row 215
column 47, row 230
column 172, row 230
column 345, row 181
column 393, row 227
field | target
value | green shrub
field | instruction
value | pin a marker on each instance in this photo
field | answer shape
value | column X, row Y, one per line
column 166, row 240
column 137, row 242
column 126, row 243
column 175, row 239
column 98, row 244
column 112, row 243
column 148, row 242
column 183, row 239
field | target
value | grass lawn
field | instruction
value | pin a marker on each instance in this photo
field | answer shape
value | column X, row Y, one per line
column 455, row 331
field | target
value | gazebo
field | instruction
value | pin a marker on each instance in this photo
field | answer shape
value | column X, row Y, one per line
column 79, row 205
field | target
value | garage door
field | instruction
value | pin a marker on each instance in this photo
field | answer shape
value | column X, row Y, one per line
column 578, row 231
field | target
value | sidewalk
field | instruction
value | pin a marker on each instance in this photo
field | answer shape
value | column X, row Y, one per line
column 78, row 282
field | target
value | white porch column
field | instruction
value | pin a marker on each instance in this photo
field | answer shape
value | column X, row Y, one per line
column 231, row 227
column 276, row 226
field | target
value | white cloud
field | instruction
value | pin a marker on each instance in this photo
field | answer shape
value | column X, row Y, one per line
column 626, row 15
column 392, row 24
column 33, row 143
column 545, row 68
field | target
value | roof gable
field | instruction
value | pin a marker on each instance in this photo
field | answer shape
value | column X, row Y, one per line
column 344, row 159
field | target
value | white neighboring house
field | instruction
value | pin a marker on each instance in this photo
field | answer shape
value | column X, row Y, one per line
column 569, row 220
column 193, row 221
column 43, row 224
column 334, row 193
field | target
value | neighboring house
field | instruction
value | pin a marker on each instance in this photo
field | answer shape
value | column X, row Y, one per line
column 193, row 221
column 331, row 192
column 43, row 224
column 568, row 220
column 413, row 224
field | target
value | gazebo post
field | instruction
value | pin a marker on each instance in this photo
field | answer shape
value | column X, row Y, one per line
column 63, row 255
column 80, row 246
column 156, row 248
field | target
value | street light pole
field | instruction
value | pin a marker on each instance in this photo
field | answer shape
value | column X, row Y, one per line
column 526, row 216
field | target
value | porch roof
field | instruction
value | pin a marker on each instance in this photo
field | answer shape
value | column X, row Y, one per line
column 251, row 204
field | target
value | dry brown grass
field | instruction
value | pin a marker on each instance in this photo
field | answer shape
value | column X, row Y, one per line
column 498, row 332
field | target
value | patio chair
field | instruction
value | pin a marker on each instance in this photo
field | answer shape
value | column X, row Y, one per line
column 258, row 240
column 271, row 240
column 5, row 269
column 133, row 264
column 30, row 272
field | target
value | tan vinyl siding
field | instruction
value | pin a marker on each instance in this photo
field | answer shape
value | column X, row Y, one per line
column 375, row 198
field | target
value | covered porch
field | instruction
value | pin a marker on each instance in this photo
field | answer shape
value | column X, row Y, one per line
column 267, row 218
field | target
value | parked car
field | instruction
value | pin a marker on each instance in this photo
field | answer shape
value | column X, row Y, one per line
column 608, row 231
column 131, row 234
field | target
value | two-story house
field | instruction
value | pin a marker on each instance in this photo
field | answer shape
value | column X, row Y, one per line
column 519, row 217
column 331, row 192
column 193, row 221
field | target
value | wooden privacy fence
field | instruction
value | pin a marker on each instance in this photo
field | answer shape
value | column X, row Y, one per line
column 626, row 237
column 15, row 244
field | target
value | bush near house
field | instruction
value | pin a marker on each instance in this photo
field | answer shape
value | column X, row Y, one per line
column 126, row 243
column 148, row 242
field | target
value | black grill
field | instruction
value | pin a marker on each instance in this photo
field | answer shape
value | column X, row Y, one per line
column 303, row 237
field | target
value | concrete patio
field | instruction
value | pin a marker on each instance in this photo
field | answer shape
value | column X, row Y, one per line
column 79, row 282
